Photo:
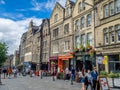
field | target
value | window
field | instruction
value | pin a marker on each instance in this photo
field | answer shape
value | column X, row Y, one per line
column 111, row 8
column 106, row 11
column 82, row 22
column 77, row 25
column 112, row 35
column 55, row 17
column 77, row 41
column 66, row 28
column 89, row 19
column 55, row 48
column 106, row 36
column 117, row 2
column 89, row 38
column 55, row 32
column 79, row 7
column 67, row 45
column 83, row 39
column 83, row 5
column 68, row 13
column 118, row 32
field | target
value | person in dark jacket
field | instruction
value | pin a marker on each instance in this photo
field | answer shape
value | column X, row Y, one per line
column 94, row 74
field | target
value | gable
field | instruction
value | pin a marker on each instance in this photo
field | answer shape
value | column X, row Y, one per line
column 58, row 9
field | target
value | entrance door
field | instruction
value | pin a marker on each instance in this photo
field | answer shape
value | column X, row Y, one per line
column 79, row 65
column 65, row 64
column 88, row 65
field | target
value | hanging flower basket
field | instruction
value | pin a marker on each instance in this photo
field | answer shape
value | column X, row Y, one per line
column 92, row 52
column 82, row 48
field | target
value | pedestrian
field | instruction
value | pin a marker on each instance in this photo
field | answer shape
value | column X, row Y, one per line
column 94, row 74
column 9, row 72
column 88, row 80
column 80, row 75
column 4, row 72
column 66, row 74
column 72, row 75
column 15, row 72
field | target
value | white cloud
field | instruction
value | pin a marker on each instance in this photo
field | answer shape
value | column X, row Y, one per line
column 2, row 2
column 13, row 15
column 36, row 5
column 11, row 31
column 51, row 3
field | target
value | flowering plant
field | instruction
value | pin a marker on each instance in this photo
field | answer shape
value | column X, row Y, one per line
column 92, row 52
column 82, row 48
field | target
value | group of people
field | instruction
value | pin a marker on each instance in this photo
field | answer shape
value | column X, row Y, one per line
column 7, row 72
column 87, row 78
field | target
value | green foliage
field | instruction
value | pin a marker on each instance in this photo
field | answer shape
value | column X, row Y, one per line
column 103, row 73
column 113, row 75
column 3, row 53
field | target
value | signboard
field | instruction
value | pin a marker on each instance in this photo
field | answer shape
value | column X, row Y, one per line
column 100, row 59
column 104, row 83
column 105, row 60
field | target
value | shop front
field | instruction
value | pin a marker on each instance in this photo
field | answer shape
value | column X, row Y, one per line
column 84, row 61
column 64, row 62
column 53, row 60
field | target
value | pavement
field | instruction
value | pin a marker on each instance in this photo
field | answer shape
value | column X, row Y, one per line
column 36, row 83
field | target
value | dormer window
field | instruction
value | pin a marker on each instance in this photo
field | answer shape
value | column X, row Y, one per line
column 68, row 12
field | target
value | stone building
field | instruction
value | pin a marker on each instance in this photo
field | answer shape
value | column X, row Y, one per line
column 61, row 34
column 83, row 26
column 22, row 47
column 107, row 34
column 30, row 47
column 45, row 43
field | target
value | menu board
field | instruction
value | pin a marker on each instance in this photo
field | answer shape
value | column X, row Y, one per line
column 104, row 83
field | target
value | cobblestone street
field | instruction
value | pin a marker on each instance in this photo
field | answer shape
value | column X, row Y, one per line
column 35, row 83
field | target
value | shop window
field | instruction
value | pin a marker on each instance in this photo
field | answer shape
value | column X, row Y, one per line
column 111, row 8
column 117, row 2
column 105, row 11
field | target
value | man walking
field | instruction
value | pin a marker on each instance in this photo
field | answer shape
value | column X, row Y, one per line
column 94, row 74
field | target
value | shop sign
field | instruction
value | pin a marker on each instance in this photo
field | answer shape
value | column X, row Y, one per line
column 100, row 59
column 104, row 83
column 105, row 60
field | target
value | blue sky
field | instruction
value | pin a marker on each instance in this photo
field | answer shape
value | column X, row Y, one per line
column 22, row 9
column 15, row 16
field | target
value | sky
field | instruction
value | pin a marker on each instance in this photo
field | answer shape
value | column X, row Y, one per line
column 15, row 16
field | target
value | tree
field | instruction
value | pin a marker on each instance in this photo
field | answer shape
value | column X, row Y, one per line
column 3, row 56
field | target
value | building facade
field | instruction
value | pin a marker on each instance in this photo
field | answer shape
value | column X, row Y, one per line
column 45, row 44
column 61, row 34
column 107, row 31
column 83, row 26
